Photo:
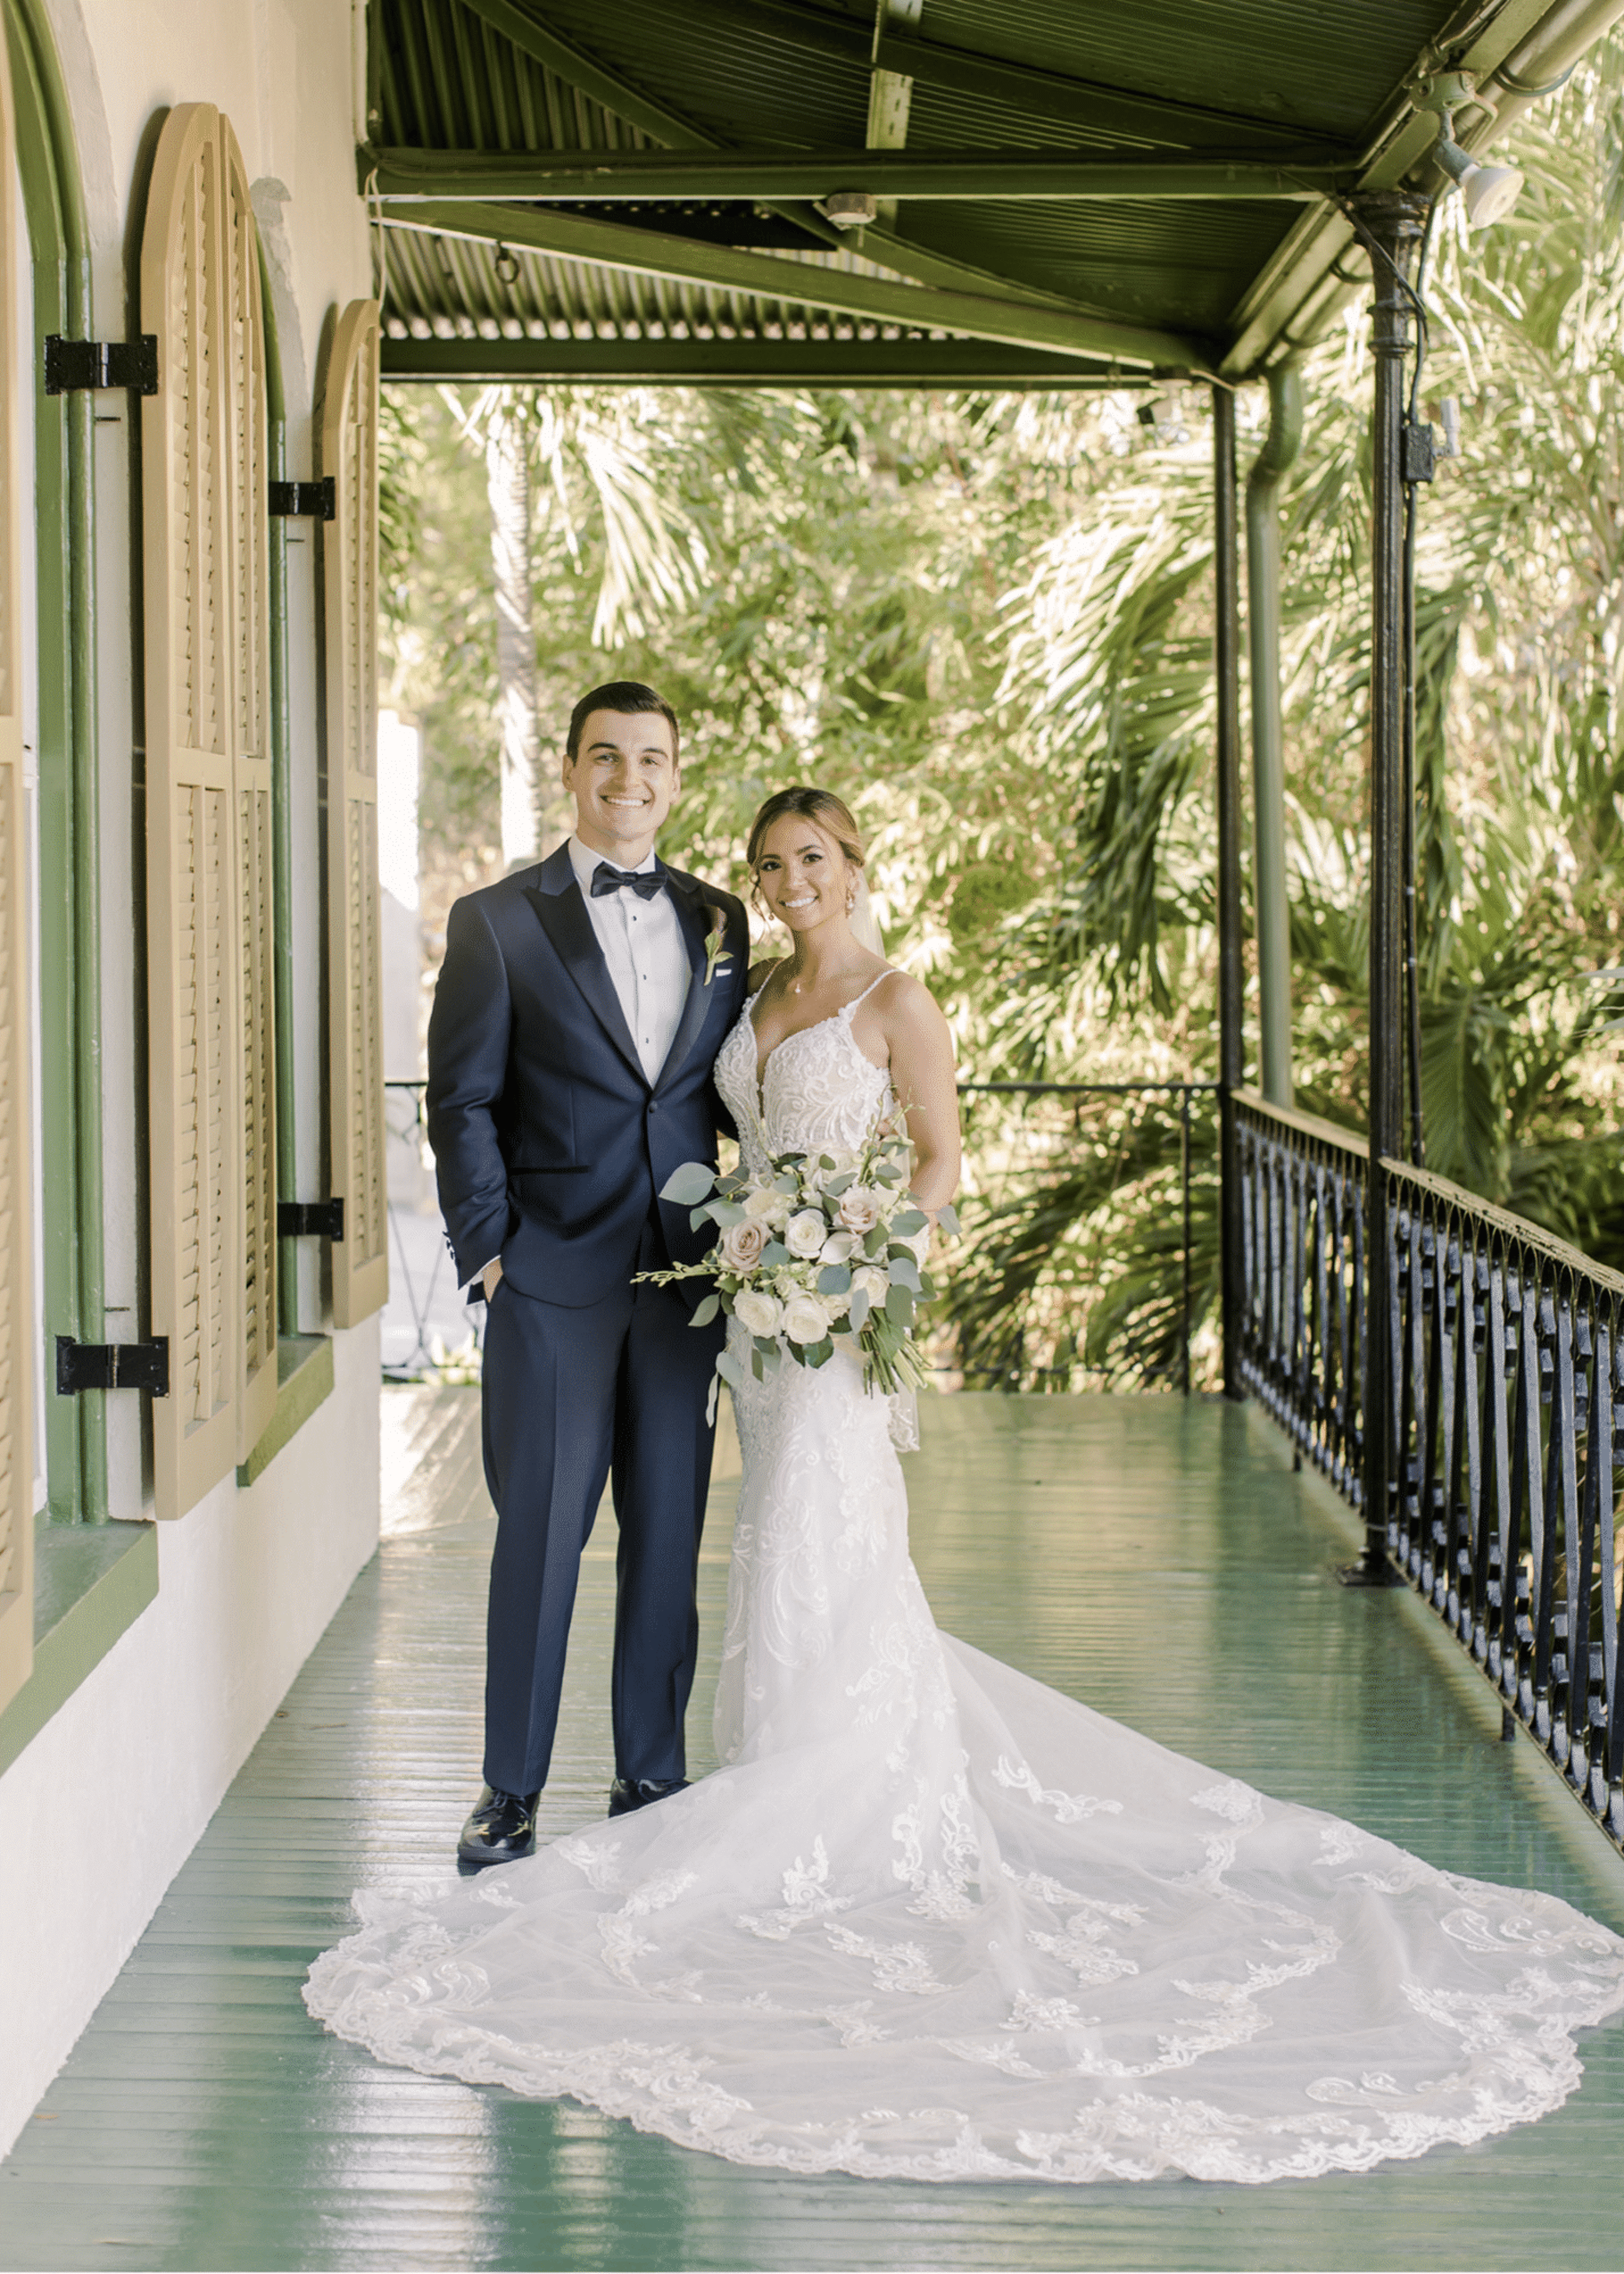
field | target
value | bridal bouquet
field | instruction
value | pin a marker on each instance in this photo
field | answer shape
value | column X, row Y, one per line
column 818, row 1250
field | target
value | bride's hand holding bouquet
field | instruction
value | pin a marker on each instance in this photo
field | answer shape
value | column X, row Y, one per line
column 816, row 1253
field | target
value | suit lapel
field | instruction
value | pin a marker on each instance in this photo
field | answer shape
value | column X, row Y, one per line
column 696, row 911
column 693, row 916
column 558, row 900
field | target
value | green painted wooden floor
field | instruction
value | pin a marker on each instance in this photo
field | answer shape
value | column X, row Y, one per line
column 1157, row 1559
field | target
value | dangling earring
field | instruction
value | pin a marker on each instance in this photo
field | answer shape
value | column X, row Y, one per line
column 852, row 898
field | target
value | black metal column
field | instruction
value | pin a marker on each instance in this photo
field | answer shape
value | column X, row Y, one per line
column 1392, row 224
column 1227, row 598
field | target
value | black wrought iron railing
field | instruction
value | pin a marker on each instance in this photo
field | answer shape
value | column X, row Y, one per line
column 1303, row 1215
column 1505, row 1356
column 1508, row 1395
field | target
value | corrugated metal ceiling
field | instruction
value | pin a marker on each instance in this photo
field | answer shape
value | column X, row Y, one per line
column 1228, row 79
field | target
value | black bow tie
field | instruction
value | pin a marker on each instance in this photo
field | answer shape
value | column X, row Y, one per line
column 643, row 882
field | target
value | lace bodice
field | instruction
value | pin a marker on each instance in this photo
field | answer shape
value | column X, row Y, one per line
column 819, row 1088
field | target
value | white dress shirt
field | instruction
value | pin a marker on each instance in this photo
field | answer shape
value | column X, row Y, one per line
column 643, row 945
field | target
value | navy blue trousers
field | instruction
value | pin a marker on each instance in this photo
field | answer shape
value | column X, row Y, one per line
column 572, row 1398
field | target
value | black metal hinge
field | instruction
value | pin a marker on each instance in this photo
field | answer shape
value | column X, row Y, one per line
column 112, row 1365
column 310, row 1219
column 71, row 364
column 318, row 499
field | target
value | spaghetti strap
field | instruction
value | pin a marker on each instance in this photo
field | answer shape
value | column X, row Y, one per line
column 847, row 1009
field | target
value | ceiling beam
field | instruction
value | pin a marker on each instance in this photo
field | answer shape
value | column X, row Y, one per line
column 747, row 362
column 572, row 236
column 982, row 176
column 1087, row 103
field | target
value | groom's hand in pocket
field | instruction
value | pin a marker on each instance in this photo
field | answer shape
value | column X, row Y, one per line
column 491, row 1277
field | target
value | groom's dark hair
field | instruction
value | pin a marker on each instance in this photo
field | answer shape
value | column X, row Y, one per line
column 631, row 699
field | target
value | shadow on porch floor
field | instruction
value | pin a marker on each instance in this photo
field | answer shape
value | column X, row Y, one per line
column 1156, row 1558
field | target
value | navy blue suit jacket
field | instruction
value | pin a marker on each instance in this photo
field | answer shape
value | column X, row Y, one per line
column 550, row 1143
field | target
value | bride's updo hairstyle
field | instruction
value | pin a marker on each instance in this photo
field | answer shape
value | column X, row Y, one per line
column 826, row 812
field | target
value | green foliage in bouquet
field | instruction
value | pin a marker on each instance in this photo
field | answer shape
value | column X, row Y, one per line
column 817, row 1251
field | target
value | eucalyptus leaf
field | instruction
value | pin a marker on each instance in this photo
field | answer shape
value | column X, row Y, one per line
column 707, row 1311
column 725, row 1212
column 819, row 1354
column 898, row 1306
column 911, row 1221
column 774, row 1254
column 728, row 1368
column 836, row 1185
column 904, row 1271
column 858, row 1312
column 947, row 1220
column 875, row 1242
column 834, row 1279
column 688, row 1185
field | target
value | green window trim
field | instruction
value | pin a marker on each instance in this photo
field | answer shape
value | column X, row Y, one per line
column 304, row 1379
column 91, row 1583
column 281, row 825
column 90, row 1586
column 69, row 821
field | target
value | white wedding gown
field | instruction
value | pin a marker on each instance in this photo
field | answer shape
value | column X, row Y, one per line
column 933, row 1921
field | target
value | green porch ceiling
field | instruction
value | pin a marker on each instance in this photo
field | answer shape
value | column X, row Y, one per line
column 1137, row 191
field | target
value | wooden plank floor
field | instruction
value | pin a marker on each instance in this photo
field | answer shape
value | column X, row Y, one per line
column 1157, row 1559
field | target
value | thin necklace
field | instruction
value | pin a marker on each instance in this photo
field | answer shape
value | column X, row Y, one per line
column 795, row 986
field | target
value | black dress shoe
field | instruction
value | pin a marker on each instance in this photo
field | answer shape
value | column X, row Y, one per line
column 628, row 1792
column 501, row 1829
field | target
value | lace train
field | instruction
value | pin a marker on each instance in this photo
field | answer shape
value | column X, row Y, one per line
column 933, row 1921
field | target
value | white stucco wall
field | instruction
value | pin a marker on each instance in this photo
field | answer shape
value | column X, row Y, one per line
column 103, row 1807
column 100, row 1811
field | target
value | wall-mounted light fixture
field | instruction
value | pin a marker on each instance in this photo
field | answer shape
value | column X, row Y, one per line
column 849, row 209
column 1488, row 192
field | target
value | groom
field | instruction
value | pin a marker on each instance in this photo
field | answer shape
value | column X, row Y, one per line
column 579, row 1010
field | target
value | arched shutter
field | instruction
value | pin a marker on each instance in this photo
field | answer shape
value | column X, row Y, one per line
column 244, row 309
column 208, row 811
column 17, row 1319
column 349, row 431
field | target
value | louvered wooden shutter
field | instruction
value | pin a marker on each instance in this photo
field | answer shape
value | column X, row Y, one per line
column 210, row 1020
column 349, row 429
column 17, row 1319
column 243, row 308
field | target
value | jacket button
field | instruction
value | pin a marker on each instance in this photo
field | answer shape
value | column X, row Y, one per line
column 654, row 1106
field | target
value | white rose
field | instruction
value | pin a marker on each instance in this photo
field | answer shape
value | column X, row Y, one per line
column 874, row 1282
column 805, row 1319
column 859, row 1208
column 837, row 1248
column 765, row 1205
column 757, row 1313
column 836, row 1306
column 741, row 1246
column 804, row 1235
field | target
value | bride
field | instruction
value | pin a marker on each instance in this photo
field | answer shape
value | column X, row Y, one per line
column 931, row 1920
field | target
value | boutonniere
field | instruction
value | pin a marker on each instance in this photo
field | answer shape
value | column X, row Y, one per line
column 716, row 956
